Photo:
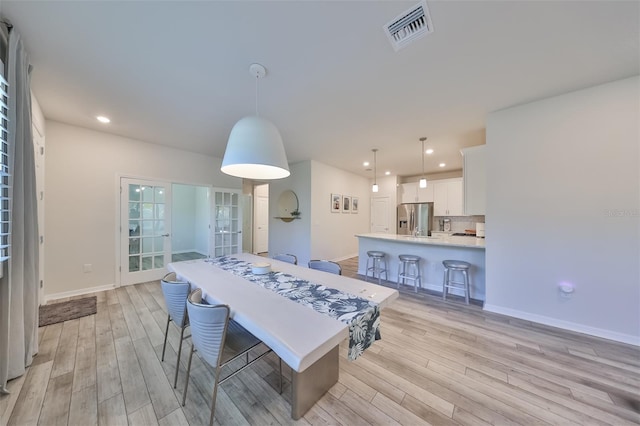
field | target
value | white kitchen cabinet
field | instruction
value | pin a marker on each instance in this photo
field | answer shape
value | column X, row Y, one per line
column 425, row 195
column 475, row 180
column 412, row 193
column 448, row 197
column 409, row 192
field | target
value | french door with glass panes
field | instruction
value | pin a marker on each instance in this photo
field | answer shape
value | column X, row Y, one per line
column 226, row 232
column 145, row 230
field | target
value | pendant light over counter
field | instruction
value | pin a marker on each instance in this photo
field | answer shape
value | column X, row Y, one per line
column 374, row 188
column 423, row 179
column 255, row 149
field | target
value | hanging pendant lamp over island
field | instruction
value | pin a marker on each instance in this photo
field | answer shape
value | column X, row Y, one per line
column 423, row 179
column 255, row 149
column 374, row 188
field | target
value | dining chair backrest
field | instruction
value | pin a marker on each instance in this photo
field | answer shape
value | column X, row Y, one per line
column 175, row 296
column 289, row 258
column 208, row 327
column 326, row 266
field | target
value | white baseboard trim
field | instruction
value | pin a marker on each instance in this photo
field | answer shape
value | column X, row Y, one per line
column 566, row 325
column 55, row 296
column 349, row 256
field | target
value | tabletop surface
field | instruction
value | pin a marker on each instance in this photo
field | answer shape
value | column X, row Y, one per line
column 298, row 334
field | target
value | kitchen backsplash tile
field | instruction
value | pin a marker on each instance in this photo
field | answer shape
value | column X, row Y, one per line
column 458, row 223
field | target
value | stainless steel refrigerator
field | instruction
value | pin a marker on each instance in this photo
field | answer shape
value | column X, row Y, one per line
column 415, row 219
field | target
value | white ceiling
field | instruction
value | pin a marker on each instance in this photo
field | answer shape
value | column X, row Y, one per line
column 176, row 73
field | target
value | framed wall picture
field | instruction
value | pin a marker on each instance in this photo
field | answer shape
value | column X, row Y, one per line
column 346, row 204
column 354, row 204
column 336, row 203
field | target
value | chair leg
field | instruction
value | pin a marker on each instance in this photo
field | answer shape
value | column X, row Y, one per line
column 186, row 382
column 399, row 274
column 366, row 271
column 166, row 333
column 466, row 286
column 175, row 380
column 280, row 374
column 444, row 283
column 215, row 394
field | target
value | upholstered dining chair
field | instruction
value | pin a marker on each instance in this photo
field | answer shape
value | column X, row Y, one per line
column 326, row 266
column 219, row 340
column 289, row 258
column 175, row 297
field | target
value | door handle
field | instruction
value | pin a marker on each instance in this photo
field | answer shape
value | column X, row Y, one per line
column 164, row 235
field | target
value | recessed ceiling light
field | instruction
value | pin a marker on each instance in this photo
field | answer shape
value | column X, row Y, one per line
column 442, row 164
column 103, row 119
column 366, row 163
column 387, row 173
column 429, row 151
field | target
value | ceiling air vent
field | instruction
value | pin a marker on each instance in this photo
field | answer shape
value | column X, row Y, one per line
column 409, row 26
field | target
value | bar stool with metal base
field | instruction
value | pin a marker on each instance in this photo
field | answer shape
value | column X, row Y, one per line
column 379, row 265
column 448, row 282
column 409, row 269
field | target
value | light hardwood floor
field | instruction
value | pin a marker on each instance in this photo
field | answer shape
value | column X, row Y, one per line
column 437, row 363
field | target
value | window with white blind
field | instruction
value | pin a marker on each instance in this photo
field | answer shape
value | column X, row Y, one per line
column 5, row 214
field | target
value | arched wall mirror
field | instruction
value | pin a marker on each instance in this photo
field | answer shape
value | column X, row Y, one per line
column 288, row 206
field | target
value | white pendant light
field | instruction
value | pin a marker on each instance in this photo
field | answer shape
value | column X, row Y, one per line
column 423, row 179
column 255, row 149
column 374, row 188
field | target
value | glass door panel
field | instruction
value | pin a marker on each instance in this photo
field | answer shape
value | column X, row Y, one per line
column 145, row 242
column 227, row 219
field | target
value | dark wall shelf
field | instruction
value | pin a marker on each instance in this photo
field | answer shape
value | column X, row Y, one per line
column 287, row 219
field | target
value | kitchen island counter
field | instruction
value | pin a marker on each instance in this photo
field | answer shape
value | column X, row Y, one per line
column 432, row 251
column 441, row 240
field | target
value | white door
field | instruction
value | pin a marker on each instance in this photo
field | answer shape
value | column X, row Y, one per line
column 380, row 215
column 145, row 230
column 226, row 235
column 261, row 240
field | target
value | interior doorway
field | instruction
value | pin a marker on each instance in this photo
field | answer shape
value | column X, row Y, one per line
column 261, row 218
column 190, row 219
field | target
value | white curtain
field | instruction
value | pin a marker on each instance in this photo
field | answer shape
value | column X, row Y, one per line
column 19, row 284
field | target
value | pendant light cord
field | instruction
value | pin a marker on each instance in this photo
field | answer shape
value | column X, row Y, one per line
column 422, row 157
column 258, row 78
column 375, row 169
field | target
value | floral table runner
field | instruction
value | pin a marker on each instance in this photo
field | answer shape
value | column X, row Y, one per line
column 361, row 315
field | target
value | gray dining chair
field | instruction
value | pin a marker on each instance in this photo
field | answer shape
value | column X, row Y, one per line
column 219, row 340
column 326, row 266
column 289, row 258
column 175, row 294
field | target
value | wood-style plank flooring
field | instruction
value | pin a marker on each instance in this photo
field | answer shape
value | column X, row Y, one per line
column 437, row 363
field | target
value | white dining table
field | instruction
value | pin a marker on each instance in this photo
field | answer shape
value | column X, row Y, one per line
column 306, row 340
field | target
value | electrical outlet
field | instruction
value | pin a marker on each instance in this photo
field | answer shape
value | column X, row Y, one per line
column 87, row 267
column 565, row 290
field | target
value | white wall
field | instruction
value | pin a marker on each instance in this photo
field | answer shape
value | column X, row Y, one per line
column 82, row 198
column 318, row 234
column 292, row 237
column 563, row 205
column 333, row 234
